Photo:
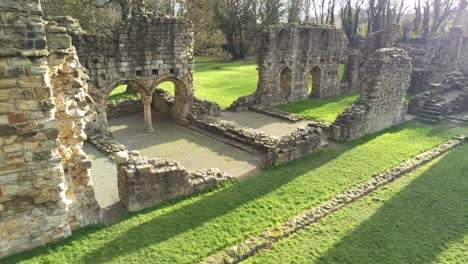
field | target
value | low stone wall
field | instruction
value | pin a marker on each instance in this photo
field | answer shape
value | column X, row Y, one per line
column 268, row 238
column 297, row 144
column 277, row 113
column 106, row 143
column 382, row 101
column 124, row 107
column 243, row 103
column 145, row 182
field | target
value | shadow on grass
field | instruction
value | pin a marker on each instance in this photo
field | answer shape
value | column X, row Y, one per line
column 200, row 212
column 417, row 224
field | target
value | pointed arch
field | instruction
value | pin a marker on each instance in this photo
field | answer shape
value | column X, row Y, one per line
column 324, row 40
column 286, row 81
column 283, row 40
column 316, row 76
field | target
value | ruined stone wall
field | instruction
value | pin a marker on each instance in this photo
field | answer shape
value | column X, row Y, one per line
column 289, row 54
column 45, row 186
column 142, row 52
column 123, row 107
column 145, row 182
column 382, row 101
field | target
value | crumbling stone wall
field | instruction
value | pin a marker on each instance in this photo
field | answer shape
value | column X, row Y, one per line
column 289, row 54
column 45, row 186
column 145, row 182
column 382, row 101
column 142, row 52
column 277, row 151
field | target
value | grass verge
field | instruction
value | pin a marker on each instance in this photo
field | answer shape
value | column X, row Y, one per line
column 421, row 218
column 325, row 109
column 191, row 229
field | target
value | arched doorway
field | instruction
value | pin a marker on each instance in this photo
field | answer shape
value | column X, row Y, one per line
column 286, row 81
column 313, row 82
column 171, row 97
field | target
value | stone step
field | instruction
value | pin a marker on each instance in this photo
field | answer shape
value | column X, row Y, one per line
column 428, row 120
column 435, row 118
column 430, row 112
column 434, row 108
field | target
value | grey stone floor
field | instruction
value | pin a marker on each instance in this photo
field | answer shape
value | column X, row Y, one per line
column 173, row 141
column 271, row 125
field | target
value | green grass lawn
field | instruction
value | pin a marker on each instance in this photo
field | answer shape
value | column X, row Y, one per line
column 421, row 218
column 325, row 109
column 190, row 229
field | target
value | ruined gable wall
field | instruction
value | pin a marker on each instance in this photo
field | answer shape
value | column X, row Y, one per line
column 45, row 186
column 382, row 101
column 299, row 48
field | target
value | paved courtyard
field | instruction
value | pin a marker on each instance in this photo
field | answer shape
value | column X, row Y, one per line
column 173, row 141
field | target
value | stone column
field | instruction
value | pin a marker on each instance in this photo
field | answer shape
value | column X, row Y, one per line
column 146, row 100
column 101, row 119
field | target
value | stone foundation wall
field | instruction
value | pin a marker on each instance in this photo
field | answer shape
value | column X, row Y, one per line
column 45, row 186
column 382, row 101
column 145, row 182
column 302, row 142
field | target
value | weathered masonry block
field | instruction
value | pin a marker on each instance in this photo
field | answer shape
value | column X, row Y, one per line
column 382, row 101
column 145, row 182
column 45, row 186
column 290, row 54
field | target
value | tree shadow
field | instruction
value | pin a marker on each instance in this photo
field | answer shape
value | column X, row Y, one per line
column 417, row 224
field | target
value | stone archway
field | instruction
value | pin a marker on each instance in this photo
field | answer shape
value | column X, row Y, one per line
column 182, row 93
column 101, row 100
column 286, row 82
column 316, row 74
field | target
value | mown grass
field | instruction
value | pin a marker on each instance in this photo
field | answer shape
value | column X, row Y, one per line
column 189, row 230
column 421, row 218
column 325, row 109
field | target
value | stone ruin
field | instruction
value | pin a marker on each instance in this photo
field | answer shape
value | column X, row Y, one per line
column 45, row 186
column 163, row 52
column 287, row 56
column 382, row 101
column 145, row 182
column 47, row 99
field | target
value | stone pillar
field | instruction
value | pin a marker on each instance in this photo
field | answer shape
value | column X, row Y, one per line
column 101, row 119
column 146, row 100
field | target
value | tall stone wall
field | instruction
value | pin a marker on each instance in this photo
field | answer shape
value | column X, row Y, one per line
column 289, row 54
column 45, row 186
column 382, row 101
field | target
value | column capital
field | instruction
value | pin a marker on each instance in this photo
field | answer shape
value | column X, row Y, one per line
column 146, row 100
